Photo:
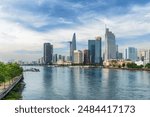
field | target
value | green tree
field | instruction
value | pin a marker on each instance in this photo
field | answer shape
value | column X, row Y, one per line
column 147, row 65
column 2, row 79
column 9, row 71
column 123, row 65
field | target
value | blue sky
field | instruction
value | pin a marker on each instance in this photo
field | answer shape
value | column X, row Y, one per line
column 27, row 24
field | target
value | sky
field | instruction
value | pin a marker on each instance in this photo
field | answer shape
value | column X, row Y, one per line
column 26, row 24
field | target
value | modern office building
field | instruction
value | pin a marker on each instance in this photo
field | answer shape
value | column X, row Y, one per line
column 91, row 48
column 72, row 47
column 117, row 52
column 77, row 57
column 86, row 57
column 98, row 50
column 110, row 45
column 48, row 53
column 61, row 57
column 130, row 53
column 120, row 55
column 55, row 58
column 95, row 51
column 147, row 57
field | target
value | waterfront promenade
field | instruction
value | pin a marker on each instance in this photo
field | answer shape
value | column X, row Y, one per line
column 9, row 86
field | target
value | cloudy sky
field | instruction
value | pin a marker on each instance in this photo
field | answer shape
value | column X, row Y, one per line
column 26, row 24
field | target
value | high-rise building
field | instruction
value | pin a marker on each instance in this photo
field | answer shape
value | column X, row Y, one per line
column 72, row 47
column 77, row 57
column 98, row 50
column 91, row 48
column 48, row 53
column 55, row 58
column 61, row 57
column 120, row 55
column 110, row 45
column 94, row 47
column 147, row 57
column 130, row 53
column 86, row 57
column 144, row 56
column 117, row 52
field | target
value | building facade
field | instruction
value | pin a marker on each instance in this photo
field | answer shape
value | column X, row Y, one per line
column 86, row 57
column 91, row 48
column 55, row 58
column 110, row 45
column 95, row 51
column 131, row 53
column 77, row 57
column 147, row 57
column 72, row 47
column 98, row 50
column 48, row 53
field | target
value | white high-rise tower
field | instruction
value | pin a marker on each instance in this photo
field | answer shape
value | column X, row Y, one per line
column 110, row 45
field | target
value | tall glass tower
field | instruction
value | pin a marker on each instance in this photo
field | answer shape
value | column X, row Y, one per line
column 94, row 47
column 131, row 53
column 110, row 45
column 48, row 53
column 73, row 47
column 98, row 51
column 91, row 48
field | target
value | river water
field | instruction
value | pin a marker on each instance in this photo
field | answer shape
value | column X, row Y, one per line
column 75, row 83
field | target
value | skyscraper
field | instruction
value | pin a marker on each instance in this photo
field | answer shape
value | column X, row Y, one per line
column 55, row 59
column 130, row 53
column 98, row 51
column 147, row 57
column 77, row 57
column 110, row 45
column 94, row 47
column 91, row 48
column 144, row 55
column 86, row 57
column 48, row 53
column 72, row 47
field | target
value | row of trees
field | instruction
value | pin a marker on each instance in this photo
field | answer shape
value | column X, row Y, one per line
column 133, row 65
column 8, row 72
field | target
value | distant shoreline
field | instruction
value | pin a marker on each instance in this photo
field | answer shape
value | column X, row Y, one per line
column 95, row 66
column 130, row 69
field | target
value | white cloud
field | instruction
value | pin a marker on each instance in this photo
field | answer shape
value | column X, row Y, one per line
column 13, row 36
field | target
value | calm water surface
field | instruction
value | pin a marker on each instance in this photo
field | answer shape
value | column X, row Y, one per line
column 85, row 83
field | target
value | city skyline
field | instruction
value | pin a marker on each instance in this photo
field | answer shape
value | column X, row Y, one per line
column 26, row 25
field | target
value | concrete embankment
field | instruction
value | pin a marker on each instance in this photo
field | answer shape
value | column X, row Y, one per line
column 9, row 88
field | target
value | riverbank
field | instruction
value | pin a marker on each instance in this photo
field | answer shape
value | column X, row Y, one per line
column 9, row 86
column 16, row 92
column 96, row 66
column 131, row 69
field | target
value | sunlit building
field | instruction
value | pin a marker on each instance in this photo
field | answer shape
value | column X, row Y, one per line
column 130, row 53
column 77, row 57
column 147, row 57
column 110, row 45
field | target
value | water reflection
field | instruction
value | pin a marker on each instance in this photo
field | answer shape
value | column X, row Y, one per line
column 85, row 83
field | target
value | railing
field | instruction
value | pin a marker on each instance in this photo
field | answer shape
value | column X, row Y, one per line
column 8, row 89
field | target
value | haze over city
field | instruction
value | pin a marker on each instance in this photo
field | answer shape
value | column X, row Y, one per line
column 27, row 24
